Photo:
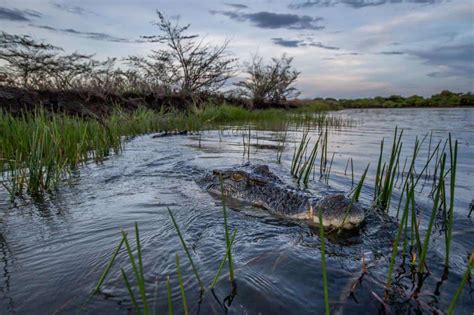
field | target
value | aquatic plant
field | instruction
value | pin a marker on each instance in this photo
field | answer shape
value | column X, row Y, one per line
column 38, row 149
column 421, row 264
column 227, row 238
column 301, row 165
column 385, row 178
column 453, row 153
column 323, row 262
column 464, row 280
column 186, row 250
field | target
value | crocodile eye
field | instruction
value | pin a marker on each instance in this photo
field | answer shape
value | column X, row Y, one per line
column 237, row 177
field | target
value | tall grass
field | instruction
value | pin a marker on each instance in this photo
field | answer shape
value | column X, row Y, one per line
column 323, row 262
column 302, row 165
column 385, row 177
column 39, row 149
column 421, row 264
column 453, row 152
column 464, row 280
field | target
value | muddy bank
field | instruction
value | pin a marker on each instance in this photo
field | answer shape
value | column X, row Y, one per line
column 94, row 104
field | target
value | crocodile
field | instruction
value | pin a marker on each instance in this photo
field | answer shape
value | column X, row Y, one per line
column 257, row 185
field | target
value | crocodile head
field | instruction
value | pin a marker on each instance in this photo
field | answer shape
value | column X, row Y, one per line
column 257, row 185
column 242, row 183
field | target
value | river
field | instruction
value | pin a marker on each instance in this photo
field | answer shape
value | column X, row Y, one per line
column 52, row 251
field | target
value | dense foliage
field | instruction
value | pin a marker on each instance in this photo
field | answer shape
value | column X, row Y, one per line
column 443, row 99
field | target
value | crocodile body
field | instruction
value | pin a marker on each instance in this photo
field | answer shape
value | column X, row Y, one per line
column 257, row 185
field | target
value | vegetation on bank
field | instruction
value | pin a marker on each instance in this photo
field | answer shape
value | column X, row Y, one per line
column 38, row 149
column 443, row 99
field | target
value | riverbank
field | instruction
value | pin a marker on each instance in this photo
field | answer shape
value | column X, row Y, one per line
column 95, row 104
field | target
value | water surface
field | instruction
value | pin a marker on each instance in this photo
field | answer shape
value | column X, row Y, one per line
column 54, row 250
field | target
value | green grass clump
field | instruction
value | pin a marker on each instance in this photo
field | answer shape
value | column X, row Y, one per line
column 39, row 149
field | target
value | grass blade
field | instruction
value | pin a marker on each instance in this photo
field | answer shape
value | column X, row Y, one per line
column 186, row 250
column 464, row 280
column 227, row 239
column 181, row 286
column 130, row 292
column 109, row 266
column 223, row 261
column 323, row 263
column 168, row 294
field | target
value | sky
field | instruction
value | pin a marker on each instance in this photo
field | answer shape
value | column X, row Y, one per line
column 343, row 48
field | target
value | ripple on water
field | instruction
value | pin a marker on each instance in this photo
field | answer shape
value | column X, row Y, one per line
column 54, row 250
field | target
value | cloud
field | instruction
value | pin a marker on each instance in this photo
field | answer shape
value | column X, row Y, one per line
column 237, row 6
column 391, row 53
column 90, row 35
column 286, row 42
column 349, row 54
column 356, row 4
column 455, row 60
column 323, row 46
column 18, row 15
column 292, row 43
column 72, row 9
column 272, row 20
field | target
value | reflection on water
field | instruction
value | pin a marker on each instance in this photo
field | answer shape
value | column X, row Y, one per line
column 53, row 250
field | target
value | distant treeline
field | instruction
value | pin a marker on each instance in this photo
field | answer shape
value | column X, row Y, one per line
column 443, row 99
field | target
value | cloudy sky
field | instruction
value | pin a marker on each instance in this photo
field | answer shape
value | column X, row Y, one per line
column 344, row 48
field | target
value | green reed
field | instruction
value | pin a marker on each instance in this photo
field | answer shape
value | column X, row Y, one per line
column 421, row 264
column 138, row 272
column 168, row 296
column 186, row 250
column 453, row 153
column 464, row 280
column 360, row 184
column 141, row 305
column 328, row 173
column 109, row 266
column 227, row 238
column 39, row 149
column 308, row 165
column 401, row 228
column 223, row 261
column 323, row 262
column 299, row 153
column 355, row 197
column 324, row 152
column 281, row 145
column 181, row 286
column 302, row 165
column 384, row 182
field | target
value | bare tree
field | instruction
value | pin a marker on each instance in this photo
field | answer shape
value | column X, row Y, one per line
column 149, row 74
column 25, row 60
column 270, row 82
column 192, row 65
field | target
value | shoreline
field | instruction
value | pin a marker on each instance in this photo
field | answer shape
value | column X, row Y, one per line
column 95, row 104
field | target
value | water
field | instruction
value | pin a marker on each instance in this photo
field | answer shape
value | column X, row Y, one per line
column 54, row 250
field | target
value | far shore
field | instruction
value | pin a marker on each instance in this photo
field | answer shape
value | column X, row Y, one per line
column 93, row 103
